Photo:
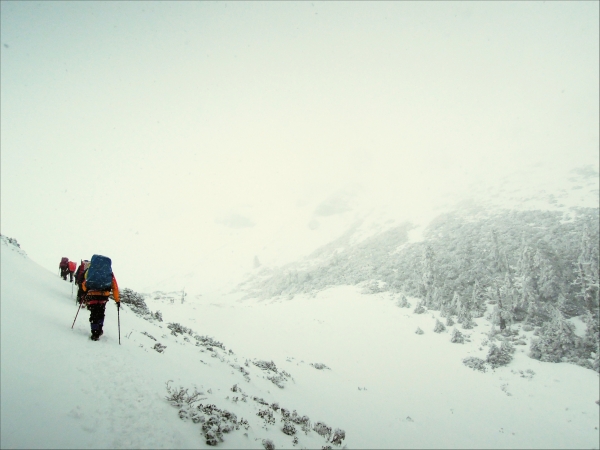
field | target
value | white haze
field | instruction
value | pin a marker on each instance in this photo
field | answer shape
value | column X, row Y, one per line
column 182, row 137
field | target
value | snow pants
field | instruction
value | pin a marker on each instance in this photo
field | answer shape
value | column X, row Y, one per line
column 64, row 272
column 97, row 315
column 80, row 294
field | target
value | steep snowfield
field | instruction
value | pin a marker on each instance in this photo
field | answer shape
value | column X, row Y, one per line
column 386, row 386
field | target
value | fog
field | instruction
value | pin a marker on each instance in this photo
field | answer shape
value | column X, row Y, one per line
column 180, row 135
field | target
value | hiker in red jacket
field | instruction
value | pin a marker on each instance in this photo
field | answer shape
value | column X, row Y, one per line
column 71, row 270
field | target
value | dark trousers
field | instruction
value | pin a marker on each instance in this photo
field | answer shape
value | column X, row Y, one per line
column 64, row 272
column 97, row 317
column 80, row 294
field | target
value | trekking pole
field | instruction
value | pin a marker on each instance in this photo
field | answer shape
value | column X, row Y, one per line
column 76, row 316
column 119, row 320
column 71, row 289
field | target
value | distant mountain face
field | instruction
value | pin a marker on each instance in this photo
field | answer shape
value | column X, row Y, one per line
column 306, row 232
column 373, row 237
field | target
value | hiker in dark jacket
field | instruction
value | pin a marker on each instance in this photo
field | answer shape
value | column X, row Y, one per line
column 96, row 303
column 64, row 268
column 80, row 277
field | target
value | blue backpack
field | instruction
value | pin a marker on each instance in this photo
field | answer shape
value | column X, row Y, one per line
column 99, row 274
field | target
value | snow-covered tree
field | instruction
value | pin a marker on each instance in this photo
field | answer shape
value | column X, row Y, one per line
column 457, row 337
column 439, row 326
column 420, row 309
column 591, row 340
column 500, row 356
column 587, row 269
column 428, row 275
column 548, row 287
column 556, row 341
column 403, row 302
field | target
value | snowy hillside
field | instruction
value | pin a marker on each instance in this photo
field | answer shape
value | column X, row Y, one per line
column 339, row 360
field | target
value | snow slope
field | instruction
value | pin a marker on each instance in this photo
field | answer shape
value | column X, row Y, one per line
column 386, row 386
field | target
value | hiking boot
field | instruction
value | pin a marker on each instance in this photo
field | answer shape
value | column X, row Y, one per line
column 94, row 337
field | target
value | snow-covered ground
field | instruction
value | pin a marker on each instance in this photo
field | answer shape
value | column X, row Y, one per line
column 384, row 385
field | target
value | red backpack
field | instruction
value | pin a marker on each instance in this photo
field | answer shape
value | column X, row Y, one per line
column 72, row 266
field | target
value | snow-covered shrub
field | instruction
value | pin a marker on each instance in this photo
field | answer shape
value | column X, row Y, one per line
column 278, row 380
column 260, row 400
column 145, row 333
column 439, row 326
column 159, row 347
column 527, row 327
column 449, row 321
column 289, row 429
column 208, row 342
column 338, row 436
column 267, row 416
column 266, row 365
column 500, row 356
column 11, row 241
column 403, row 302
column 135, row 301
column 177, row 328
column 322, row 429
column 420, row 308
column 268, row 444
column 319, row 366
column 299, row 420
column 180, row 396
column 457, row 337
column 419, row 331
column 475, row 363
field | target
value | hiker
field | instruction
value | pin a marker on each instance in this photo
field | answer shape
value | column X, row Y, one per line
column 64, row 267
column 98, row 283
column 71, row 271
column 80, row 277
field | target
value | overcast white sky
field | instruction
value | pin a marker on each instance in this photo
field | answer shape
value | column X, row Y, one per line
column 162, row 131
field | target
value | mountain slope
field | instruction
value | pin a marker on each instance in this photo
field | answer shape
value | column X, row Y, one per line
column 386, row 386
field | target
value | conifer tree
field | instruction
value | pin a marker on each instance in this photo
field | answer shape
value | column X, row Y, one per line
column 526, row 282
column 556, row 341
column 428, row 274
column 547, row 282
column 439, row 326
column 457, row 337
column 468, row 322
column 587, row 269
column 478, row 305
column 403, row 302
column 420, row 309
column 591, row 340
column 455, row 305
